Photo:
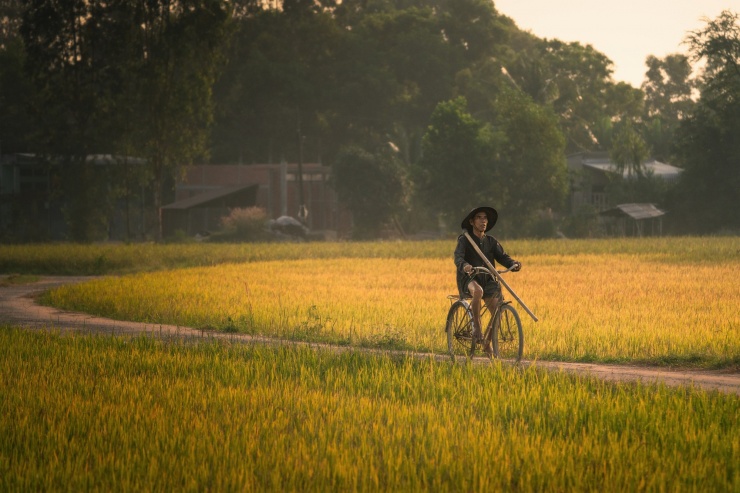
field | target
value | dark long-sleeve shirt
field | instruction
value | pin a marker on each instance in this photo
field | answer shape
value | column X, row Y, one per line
column 465, row 254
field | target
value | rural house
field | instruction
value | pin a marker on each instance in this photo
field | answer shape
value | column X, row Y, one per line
column 590, row 173
column 207, row 192
column 32, row 198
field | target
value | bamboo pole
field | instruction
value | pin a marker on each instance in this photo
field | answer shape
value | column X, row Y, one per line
column 499, row 278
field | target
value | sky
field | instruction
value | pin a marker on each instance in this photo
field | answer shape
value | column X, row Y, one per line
column 626, row 31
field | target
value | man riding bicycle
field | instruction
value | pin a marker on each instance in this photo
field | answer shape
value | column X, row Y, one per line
column 477, row 223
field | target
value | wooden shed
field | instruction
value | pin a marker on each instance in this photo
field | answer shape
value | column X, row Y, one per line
column 635, row 219
column 204, row 211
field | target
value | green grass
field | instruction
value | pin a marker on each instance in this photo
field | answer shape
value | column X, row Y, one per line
column 141, row 414
column 72, row 259
column 16, row 279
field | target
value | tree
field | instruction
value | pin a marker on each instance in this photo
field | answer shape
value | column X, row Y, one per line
column 10, row 21
column 532, row 172
column 371, row 186
column 168, row 92
column 668, row 87
column 515, row 161
column 123, row 75
column 14, row 85
column 668, row 91
column 709, row 189
column 362, row 73
column 411, row 49
column 281, row 82
column 65, row 65
column 629, row 151
column 413, row 55
column 576, row 82
column 16, row 93
column 719, row 45
column 458, row 169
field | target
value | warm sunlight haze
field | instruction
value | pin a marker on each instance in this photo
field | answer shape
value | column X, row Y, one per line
column 626, row 32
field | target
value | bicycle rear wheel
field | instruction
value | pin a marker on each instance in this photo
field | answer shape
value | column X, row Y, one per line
column 459, row 329
column 508, row 340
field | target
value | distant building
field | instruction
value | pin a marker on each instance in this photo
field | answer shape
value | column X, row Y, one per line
column 634, row 220
column 28, row 210
column 590, row 174
column 206, row 193
column 32, row 200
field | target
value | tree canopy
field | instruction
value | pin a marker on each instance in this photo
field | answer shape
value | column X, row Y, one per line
column 121, row 76
column 477, row 110
column 372, row 187
column 708, row 141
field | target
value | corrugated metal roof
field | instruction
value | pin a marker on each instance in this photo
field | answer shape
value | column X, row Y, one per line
column 656, row 168
column 209, row 196
column 635, row 211
column 111, row 159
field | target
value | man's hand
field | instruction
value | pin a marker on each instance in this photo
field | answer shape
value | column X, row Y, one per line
column 516, row 267
column 468, row 269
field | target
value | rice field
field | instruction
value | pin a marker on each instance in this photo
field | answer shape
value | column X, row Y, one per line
column 108, row 413
column 659, row 301
column 140, row 414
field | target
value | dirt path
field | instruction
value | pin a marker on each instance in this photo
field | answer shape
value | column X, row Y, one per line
column 17, row 307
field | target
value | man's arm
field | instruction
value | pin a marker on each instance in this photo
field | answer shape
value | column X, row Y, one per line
column 503, row 258
column 460, row 261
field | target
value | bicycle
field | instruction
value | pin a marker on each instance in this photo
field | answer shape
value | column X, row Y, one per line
column 503, row 328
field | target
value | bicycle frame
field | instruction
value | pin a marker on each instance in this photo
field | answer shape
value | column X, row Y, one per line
column 496, row 275
column 484, row 306
column 459, row 326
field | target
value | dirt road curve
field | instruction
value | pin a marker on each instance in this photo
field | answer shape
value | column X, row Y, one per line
column 17, row 307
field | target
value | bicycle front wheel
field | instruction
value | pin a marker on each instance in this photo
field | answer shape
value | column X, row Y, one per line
column 459, row 329
column 508, row 340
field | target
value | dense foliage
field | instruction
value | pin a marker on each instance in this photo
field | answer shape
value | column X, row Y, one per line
column 183, row 81
column 710, row 192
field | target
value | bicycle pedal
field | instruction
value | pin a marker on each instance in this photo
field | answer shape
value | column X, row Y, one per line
column 475, row 342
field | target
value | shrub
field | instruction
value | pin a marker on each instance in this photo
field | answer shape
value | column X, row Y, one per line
column 245, row 223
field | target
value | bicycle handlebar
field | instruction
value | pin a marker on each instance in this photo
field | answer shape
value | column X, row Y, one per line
column 499, row 278
column 484, row 270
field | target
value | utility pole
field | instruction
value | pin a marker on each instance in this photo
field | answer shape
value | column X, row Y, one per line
column 302, row 209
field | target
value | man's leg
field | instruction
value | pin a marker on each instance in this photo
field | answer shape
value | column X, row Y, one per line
column 491, row 304
column 477, row 294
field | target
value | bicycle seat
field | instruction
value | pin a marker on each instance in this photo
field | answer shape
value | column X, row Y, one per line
column 459, row 296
